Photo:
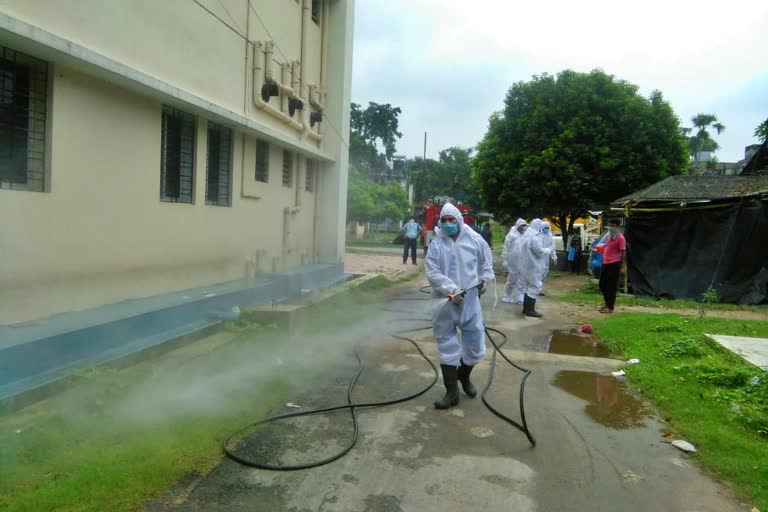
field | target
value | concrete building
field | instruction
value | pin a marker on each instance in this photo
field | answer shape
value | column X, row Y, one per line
column 151, row 147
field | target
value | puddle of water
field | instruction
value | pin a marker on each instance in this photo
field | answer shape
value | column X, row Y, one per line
column 609, row 401
column 575, row 344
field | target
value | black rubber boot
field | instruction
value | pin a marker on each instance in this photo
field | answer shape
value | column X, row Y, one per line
column 466, row 384
column 530, row 310
column 450, row 380
column 526, row 305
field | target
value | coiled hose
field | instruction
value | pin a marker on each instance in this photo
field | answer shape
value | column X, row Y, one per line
column 353, row 407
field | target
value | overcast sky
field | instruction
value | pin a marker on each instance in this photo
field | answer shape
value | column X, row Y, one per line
column 449, row 63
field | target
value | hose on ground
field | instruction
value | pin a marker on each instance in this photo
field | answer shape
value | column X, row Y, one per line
column 353, row 407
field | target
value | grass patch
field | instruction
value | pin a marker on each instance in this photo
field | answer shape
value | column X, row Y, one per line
column 375, row 240
column 123, row 436
column 710, row 396
column 590, row 294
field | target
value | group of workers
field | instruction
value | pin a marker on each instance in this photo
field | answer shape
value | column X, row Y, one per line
column 459, row 268
column 528, row 251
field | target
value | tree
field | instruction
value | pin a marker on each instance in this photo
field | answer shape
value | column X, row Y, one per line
column 564, row 143
column 761, row 132
column 377, row 123
column 366, row 199
column 703, row 140
column 450, row 175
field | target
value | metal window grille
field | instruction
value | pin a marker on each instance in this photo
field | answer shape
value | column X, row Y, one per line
column 178, row 156
column 316, row 11
column 309, row 182
column 287, row 168
column 262, row 161
column 23, row 103
column 218, row 180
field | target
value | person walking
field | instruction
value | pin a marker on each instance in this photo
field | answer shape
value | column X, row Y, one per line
column 487, row 234
column 411, row 232
column 575, row 252
column 532, row 260
column 613, row 263
column 511, row 257
column 548, row 242
column 459, row 267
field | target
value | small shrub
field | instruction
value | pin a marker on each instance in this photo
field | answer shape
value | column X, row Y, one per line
column 668, row 328
column 592, row 286
column 722, row 376
column 684, row 347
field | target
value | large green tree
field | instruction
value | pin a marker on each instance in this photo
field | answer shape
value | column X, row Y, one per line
column 366, row 199
column 567, row 142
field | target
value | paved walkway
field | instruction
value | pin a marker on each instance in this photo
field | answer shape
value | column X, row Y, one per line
column 600, row 448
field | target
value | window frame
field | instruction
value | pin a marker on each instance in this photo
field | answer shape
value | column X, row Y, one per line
column 224, row 195
column 288, row 163
column 167, row 113
column 266, row 148
column 34, row 164
column 310, row 176
column 316, row 11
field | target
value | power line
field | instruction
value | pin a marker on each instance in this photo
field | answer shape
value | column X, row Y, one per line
column 231, row 17
column 230, row 27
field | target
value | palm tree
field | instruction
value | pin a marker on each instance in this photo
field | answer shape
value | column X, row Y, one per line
column 703, row 139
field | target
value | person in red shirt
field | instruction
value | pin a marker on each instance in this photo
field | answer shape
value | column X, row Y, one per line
column 613, row 262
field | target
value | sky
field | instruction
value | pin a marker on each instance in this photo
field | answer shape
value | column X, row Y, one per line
column 448, row 63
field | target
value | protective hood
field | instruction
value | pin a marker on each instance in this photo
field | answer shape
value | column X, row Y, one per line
column 449, row 209
column 547, row 238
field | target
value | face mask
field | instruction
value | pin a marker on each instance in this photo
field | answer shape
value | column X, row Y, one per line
column 523, row 228
column 450, row 228
column 613, row 231
column 546, row 230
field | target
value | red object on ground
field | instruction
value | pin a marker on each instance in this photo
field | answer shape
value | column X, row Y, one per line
column 586, row 329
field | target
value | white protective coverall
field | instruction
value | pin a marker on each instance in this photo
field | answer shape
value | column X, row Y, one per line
column 451, row 265
column 533, row 258
column 513, row 289
column 548, row 242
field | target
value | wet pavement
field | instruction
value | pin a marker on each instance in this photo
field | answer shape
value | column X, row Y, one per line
column 600, row 447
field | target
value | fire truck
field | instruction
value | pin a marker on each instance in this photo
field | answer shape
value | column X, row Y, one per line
column 430, row 214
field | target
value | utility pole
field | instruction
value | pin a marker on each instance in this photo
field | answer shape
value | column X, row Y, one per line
column 424, row 174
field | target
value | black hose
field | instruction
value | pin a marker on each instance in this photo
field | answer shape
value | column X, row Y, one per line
column 522, row 425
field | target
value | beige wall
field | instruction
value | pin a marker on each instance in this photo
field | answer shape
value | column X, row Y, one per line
column 101, row 234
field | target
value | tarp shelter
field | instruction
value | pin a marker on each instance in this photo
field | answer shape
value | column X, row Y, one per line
column 687, row 233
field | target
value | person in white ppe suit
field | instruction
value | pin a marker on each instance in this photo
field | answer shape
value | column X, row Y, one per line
column 548, row 242
column 459, row 267
column 511, row 257
column 532, row 261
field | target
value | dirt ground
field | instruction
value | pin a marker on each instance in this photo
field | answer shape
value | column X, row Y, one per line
column 599, row 446
column 389, row 265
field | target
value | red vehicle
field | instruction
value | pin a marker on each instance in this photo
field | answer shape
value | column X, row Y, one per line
column 431, row 214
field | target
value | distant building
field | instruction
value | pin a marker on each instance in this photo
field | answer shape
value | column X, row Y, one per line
column 154, row 146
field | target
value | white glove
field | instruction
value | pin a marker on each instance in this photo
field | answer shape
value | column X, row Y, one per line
column 554, row 257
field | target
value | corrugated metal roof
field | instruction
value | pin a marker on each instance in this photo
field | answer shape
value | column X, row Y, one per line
column 692, row 188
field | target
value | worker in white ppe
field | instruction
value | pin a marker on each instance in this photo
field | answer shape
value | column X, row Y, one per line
column 459, row 266
column 548, row 242
column 513, row 288
column 532, row 261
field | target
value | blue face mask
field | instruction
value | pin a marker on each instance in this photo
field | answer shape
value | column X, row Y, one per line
column 450, row 228
column 546, row 230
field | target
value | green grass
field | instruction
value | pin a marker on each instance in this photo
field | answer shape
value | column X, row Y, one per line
column 376, row 240
column 702, row 390
column 590, row 294
column 122, row 436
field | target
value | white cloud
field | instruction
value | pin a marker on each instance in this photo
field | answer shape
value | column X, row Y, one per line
column 698, row 53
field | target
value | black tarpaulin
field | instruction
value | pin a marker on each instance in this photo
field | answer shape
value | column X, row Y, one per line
column 679, row 254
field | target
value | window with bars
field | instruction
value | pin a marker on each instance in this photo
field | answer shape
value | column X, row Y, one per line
column 309, row 181
column 262, row 161
column 287, row 168
column 316, row 5
column 23, row 105
column 178, row 156
column 218, row 182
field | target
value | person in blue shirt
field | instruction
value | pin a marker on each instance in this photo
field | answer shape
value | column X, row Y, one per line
column 411, row 232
